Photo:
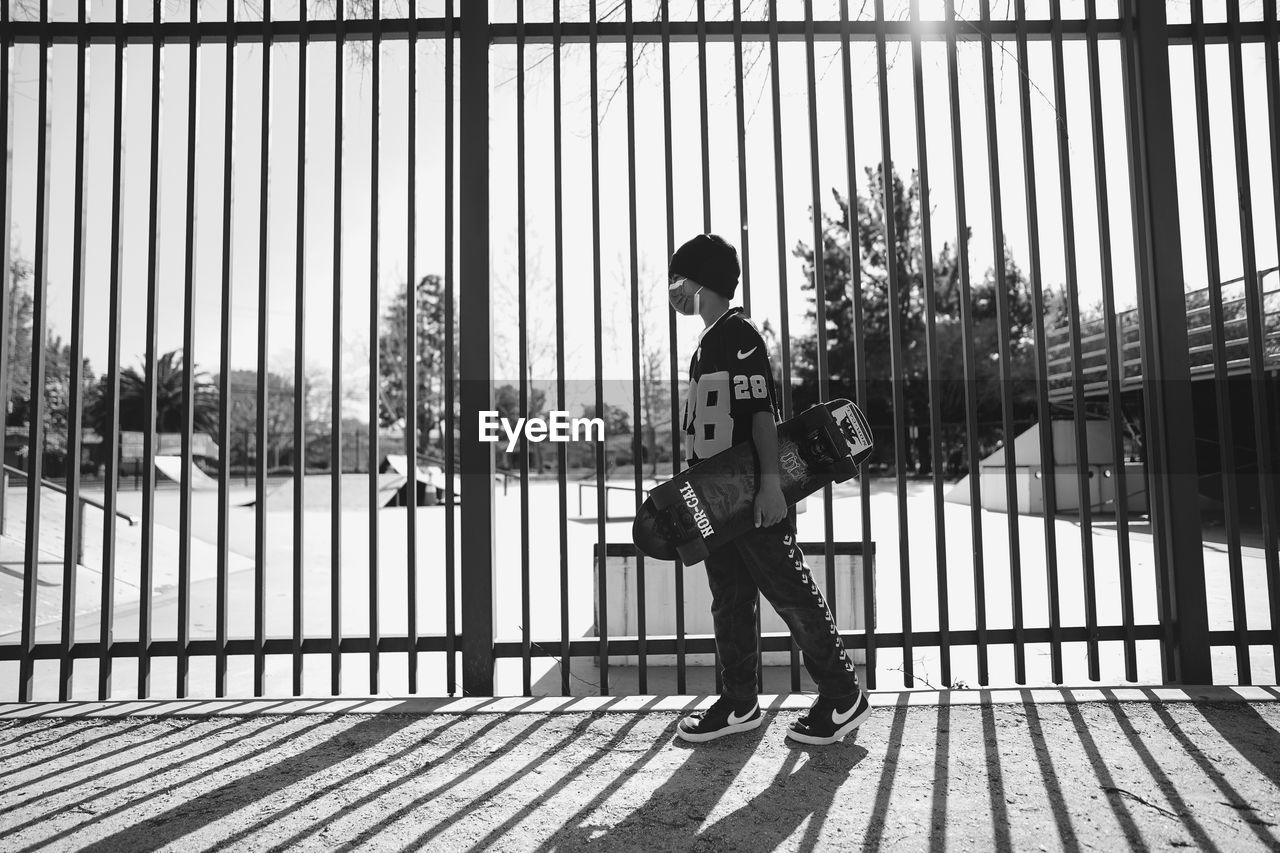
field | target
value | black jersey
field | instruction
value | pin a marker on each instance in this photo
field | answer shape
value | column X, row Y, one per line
column 729, row 381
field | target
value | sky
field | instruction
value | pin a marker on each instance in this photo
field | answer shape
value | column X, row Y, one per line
column 760, row 235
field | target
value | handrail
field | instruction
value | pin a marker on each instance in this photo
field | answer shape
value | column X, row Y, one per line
column 1092, row 354
column 133, row 520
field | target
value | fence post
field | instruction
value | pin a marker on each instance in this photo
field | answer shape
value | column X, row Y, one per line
column 79, row 533
column 1166, row 384
column 475, row 354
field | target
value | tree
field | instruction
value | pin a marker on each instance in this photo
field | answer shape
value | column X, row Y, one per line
column 430, row 345
column 56, row 403
column 655, row 375
column 617, row 420
column 243, row 405
column 507, row 400
column 170, row 399
column 17, row 367
column 951, row 381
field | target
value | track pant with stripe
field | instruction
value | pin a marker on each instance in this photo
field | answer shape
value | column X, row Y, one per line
column 769, row 560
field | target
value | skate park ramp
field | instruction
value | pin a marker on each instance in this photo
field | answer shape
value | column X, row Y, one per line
column 171, row 468
column 317, row 492
column 424, row 482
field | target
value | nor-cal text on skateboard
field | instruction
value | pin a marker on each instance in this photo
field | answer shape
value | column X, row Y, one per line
column 692, row 501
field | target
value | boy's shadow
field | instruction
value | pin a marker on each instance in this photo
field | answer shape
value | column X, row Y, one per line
column 802, row 788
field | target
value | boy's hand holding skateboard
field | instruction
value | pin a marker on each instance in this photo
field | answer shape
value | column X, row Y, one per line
column 770, row 505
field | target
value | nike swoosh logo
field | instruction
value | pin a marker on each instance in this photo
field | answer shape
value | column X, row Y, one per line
column 840, row 719
column 735, row 720
column 742, row 355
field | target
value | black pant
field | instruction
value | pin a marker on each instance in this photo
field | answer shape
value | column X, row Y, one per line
column 769, row 560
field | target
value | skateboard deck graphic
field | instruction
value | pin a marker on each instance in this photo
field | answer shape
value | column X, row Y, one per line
column 713, row 502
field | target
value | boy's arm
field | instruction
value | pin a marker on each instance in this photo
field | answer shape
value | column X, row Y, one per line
column 770, row 506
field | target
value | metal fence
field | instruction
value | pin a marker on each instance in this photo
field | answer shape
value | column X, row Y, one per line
column 950, row 363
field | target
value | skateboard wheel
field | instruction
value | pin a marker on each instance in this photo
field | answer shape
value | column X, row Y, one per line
column 665, row 496
column 693, row 551
column 818, row 448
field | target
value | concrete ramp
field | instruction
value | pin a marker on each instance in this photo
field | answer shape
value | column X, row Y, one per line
column 171, row 467
column 318, row 492
column 399, row 463
column 1029, row 478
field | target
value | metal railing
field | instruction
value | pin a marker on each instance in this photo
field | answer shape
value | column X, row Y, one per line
column 1201, row 334
column 856, row 359
column 9, row 472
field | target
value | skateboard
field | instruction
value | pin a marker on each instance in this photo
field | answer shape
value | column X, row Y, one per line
column 712, row 502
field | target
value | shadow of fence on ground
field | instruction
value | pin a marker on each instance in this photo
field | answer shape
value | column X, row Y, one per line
column 996, row 775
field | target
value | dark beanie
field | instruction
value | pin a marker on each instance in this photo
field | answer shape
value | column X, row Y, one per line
column 710, row 261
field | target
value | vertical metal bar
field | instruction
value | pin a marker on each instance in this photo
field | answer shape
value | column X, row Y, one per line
column 970, row 362
column 35, row 435
column 705, row 134
column 375, row 48
column 300, row 381
column 224, row 377
column 450, row 387
column 150, row 426
column 744, row 234
column 1271, row 530
column 898, row 366
column 859, row 340
column 562, row 458
column 1114, row 355
column 188, row 365
column 1221, row 386
column 1044, row 413
column 779, row 204
column 932, row 355
column 1166, row 373
column 1080, row 414
column 6, row 251
column 263, row 391
column 705, row 137
column 476, row 362
column 820, row 289
column 79, row 535
column 637, row 351
column 602, row 488
column 1003, row 349
column 677, row 434
column 411, row 358
column 335, row 394
column 522, row 319
column 1262, row 427
column 73, row 530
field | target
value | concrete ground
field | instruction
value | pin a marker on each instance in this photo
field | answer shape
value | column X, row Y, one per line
column 956, row 770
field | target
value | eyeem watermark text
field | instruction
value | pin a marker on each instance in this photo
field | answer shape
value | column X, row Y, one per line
column 558, row 427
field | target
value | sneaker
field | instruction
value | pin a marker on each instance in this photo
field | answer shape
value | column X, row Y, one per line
column 725, row 717
column 830, row 720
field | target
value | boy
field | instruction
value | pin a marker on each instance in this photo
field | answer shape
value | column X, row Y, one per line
column 731, row 399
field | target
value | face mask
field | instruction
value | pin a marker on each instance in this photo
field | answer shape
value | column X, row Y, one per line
column 681, row 301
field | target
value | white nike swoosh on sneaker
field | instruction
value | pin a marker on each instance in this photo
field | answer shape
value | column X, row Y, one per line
column 735, row 720
column 742, row 355
column 840, row 719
